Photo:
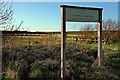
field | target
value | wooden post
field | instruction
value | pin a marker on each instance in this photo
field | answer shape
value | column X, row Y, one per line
column 0, row 55
column 63, row 42
column 64, row 14
column 100, row 61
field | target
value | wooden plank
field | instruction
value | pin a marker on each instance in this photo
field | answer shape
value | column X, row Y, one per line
column 80, row 7
column 63, row 42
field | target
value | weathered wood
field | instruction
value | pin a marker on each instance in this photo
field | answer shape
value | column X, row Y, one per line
column 1, row 54
column 100, row 61
column 63, row 36
column 63, row 42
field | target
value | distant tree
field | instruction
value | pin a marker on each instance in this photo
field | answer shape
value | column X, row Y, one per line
column 110, row 24
column 7, row 23
column 88, row 27
column 6, row 17
column 87, row 32
column 110, row 28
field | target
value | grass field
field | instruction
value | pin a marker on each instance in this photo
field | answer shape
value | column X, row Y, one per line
column 27, row 57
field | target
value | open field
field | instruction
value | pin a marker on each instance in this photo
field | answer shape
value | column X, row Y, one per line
column 38, row 56
column 51, row 38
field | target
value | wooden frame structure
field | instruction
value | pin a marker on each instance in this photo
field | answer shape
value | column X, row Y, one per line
column 63, row 34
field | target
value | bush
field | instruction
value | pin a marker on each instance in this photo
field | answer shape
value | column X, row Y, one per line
column 44, row 62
